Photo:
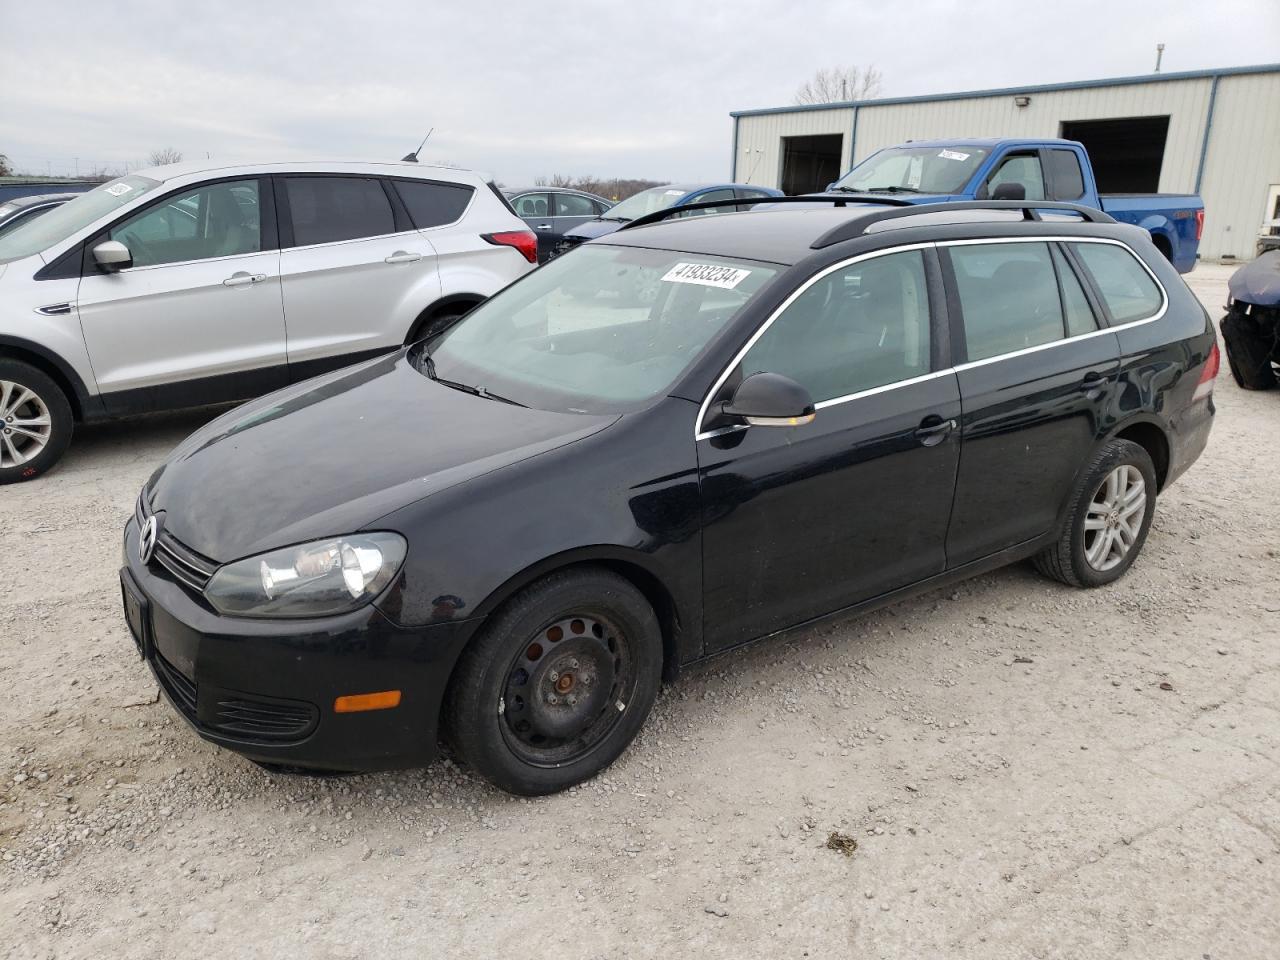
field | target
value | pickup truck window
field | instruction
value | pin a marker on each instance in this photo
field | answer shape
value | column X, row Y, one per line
column 1126, row 287
column 1008, row 297
column 1064, row 174
column 1023, row 168
column 914, row 170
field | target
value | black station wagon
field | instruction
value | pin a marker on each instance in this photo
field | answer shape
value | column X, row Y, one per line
column 506, row 535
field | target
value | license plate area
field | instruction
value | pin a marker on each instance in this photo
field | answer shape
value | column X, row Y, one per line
column 137, row 614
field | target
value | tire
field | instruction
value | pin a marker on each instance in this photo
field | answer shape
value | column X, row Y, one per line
column 1078, row 558
column 35, row 422
column 510, row 715
column 1248, row 354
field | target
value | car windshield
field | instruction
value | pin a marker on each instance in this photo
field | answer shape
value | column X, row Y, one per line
column 645, row 202
column 603, row 329
column 41, row 233
column 914, row 170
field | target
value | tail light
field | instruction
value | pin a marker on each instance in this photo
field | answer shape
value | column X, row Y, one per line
column 1199, row 222
column 526, row 241
column 1209, row 374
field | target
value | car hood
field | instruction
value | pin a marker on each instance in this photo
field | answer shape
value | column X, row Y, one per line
column 334, row 454
column 1258, row 282
column 594, row 228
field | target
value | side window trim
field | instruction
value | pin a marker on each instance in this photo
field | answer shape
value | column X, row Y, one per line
column 267, row 224
column 1101, row 312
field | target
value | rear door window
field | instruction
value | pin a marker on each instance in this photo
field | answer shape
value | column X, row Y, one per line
column 572, row 205
column 433, row 204
column 1008, row 297
column 1064, row 174
column 329, row 209
column 1124, row 284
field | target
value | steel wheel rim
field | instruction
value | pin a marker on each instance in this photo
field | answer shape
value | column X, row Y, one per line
column 25, row 424
column 566, row 689
column 1114, row 518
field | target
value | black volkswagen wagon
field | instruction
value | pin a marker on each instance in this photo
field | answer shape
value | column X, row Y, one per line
column 506, row 535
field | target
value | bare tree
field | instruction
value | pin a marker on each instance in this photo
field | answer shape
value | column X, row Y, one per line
column 840, row 84
column 611, row 188
column 159, row 158
column 6, row 168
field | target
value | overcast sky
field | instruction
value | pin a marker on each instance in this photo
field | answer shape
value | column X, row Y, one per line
column 626, row 89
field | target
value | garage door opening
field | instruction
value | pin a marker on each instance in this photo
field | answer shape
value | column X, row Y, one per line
column 1127, row 154
column 810, row 163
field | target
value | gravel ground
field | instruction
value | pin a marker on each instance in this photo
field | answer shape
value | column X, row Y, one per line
column 1027, row 771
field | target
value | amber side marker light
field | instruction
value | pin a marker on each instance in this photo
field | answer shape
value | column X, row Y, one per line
column 356, row 702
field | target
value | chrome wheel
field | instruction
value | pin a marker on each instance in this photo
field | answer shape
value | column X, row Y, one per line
column 1115, row 516
column 25, row 424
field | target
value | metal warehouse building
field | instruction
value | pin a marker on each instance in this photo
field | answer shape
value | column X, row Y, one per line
column 1212, row 132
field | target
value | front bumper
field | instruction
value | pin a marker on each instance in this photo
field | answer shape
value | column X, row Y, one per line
column 266, row 688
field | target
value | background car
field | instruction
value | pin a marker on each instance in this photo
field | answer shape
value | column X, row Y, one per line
column 552, row 211
column 660, row 198
column 170, row 287
column 20, row 210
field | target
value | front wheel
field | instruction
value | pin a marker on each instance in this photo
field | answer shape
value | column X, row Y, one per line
column 1108, row 520
column 557, row 684
column 35, row 422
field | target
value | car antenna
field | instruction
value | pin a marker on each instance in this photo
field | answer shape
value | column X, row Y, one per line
column 413, row 157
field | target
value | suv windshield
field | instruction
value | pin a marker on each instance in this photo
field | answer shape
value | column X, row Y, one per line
column 914, row 170
column 38, row 235
column 601, row 330
column 644, row 202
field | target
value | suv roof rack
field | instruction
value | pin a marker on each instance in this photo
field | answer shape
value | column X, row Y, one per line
column 857, row 226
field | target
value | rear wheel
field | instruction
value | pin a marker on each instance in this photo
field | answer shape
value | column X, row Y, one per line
column 558, row 683
column 35, row 422
column 1108, row 520
column 1249, row 352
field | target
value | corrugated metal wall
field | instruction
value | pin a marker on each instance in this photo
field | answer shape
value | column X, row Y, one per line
column 1243, row 162
column 759, row 154
column 1243, row 157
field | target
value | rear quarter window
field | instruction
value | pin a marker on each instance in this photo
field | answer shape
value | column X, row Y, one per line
column 1124, row 283
column 433, row 204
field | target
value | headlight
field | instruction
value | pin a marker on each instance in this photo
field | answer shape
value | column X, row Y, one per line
column 311, row 580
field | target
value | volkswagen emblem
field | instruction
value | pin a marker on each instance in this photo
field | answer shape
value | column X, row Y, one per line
column 147, row 539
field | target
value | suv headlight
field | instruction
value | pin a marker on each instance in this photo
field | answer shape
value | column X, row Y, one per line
column 310, row 580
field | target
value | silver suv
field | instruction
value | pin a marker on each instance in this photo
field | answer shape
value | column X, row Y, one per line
column 197, row 284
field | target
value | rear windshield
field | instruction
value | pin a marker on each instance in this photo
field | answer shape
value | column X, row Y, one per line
column 43, row 232
column 603, row 329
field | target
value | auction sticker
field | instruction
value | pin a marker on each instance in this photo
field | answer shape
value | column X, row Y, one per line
column 952, row 155
column 119, row 189
column 706, row 274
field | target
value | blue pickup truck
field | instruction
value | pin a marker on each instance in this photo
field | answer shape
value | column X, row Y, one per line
column 932, row 171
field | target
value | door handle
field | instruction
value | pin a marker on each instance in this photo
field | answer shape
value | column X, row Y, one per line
column 932, row 431
column 403, row 256
column 240, row 278
column 1093, row 384
column 543, row 226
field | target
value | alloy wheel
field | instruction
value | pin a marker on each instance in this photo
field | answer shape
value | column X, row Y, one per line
column 1114, row 518
column 26, row 425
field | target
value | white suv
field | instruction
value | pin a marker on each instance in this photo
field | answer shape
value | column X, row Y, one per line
column 196, row 284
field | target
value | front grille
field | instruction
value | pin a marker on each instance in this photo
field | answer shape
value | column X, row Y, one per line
column 180, row 689
column 183, row 564
column 264, row 719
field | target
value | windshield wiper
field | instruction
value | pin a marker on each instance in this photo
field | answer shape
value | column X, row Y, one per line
column 429, row 367
column 619, row 219
column 893, row 189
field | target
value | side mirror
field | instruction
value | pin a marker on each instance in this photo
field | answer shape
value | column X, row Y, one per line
column 770, row 400
column 112, row 255
column 1010, row 191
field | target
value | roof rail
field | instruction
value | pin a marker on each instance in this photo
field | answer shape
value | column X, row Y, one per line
column 857, row 226
column 659, row 215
